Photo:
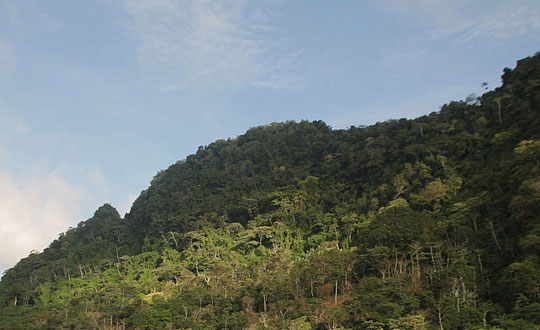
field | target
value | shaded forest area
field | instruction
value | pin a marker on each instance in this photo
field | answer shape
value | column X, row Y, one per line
column 431, row 223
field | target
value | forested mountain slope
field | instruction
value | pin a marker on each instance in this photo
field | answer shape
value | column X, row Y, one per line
column 431, row 223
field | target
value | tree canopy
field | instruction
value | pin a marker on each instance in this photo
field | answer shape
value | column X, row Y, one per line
column 430, row 223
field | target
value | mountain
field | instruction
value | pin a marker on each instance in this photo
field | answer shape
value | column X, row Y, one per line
column 431, row 223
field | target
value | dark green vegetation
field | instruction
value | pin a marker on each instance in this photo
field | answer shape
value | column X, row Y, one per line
column 430, row 223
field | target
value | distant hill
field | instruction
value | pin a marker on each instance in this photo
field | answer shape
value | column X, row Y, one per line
column 430, row 223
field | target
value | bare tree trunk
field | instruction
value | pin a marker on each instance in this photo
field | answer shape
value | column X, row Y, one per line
column 413, row 265
column 498, row 100
column 433, row 259
column 165, row 240
column 481, row 267
column 174, row 238
column 336, row 293
column 419, row 272
column 296, row 282
column 441, row 317
column 494, row 235
column 475, row 225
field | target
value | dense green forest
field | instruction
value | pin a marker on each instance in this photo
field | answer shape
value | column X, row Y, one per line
column 431, row 223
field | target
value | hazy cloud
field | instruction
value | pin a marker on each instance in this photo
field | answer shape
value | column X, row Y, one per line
column 511, row 18
column 468, row 20
column 209, row 43
column 33, row 212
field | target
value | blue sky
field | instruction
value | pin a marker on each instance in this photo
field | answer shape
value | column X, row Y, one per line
column 97, row 96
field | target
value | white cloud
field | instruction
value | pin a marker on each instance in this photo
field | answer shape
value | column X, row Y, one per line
column 511, row 18
column 38, row 203
column 33, row 212
column 468, row 20
column 207, row 43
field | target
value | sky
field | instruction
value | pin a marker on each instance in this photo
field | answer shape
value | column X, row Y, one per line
column 97, row 96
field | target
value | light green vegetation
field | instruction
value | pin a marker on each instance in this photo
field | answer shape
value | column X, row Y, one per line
column 431, row 223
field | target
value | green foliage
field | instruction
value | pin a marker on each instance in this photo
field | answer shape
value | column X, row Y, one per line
column 431, row 223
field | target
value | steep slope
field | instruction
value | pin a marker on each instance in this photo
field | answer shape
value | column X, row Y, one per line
column 406, row 224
